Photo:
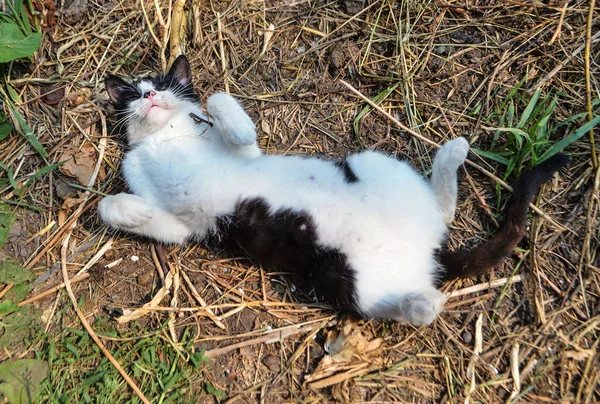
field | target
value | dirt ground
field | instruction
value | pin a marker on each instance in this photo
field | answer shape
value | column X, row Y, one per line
column 442, row 68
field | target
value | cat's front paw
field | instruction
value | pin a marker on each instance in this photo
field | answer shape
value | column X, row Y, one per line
column 231, row 120
column 422, row 308
column 124, row 211
column 240, row 134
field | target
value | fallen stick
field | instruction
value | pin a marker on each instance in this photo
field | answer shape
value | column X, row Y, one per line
column 484, row 286
column 275, row 336
column 340, row 377
column 56, row 288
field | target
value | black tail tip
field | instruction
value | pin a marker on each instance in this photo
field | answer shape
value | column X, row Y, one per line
column 556, row 162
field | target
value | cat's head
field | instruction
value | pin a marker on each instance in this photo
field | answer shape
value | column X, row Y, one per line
column 147, row 105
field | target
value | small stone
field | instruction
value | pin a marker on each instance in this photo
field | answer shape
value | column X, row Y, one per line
column 467, row 337
column 272, row 362
column 135, row 258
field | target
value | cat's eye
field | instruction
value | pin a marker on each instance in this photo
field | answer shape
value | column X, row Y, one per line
column 130, row 94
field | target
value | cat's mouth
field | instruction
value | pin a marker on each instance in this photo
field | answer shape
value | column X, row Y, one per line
column 155, row 107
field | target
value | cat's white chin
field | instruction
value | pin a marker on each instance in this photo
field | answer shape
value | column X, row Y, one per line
column 158, row 115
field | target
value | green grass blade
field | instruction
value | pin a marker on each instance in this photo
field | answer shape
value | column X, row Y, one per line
column 379, row 98
column 529, row 109
column 510, row 117
column 513, row 92
column 571, row 119
column 43, row 171
column 490, row 155
column 27, row 132
column 11, row 177
column 576, row 135
column 541, row 130
column 514, row 131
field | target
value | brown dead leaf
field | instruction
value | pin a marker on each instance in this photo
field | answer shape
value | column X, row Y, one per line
column 350, row 354
column 68, row 205
column 47, row 10
column 79, row 97
column 81, row 163
column 53, row 94
column 579, row 355
column 350, row 343
column 266, row 128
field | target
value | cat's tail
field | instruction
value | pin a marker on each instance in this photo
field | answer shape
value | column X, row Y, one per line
column 465, row 263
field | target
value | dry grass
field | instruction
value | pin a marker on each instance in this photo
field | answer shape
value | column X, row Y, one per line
column 452, row 64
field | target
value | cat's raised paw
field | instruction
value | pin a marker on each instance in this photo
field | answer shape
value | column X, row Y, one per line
column 231, row 120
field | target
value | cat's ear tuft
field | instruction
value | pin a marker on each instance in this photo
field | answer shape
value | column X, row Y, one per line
column 115, row 87
column 181, row 70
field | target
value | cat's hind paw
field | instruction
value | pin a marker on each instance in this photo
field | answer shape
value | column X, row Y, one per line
column 125, row 211
column 421, row 308
column 454, row 152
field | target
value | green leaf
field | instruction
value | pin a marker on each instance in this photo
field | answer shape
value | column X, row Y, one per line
column 5, row 127
column 513, row 92
column 11, row 272
column 19, row 325
column 570, row 119
column 9, row 173
column 18, row 292
column 13, row 94
column 39, row 172
column 20, row 380
column 28, row 133
column 198, row 358
column 490, row 155
column 542, row 128
column 519, row 134
column 15, row 45
column 529, row 109
column 573, row 137
column 6, row 221
column 5, row 130
column 72, row 348
column 210, row 389
column 7, row 307
column 510, row 118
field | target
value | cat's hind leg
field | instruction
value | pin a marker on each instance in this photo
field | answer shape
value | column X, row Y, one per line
column 444, row 177
column 416, row 308
column 132, row 214
column 233, row 123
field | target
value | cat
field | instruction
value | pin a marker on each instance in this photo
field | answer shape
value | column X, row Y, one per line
column 368, row 231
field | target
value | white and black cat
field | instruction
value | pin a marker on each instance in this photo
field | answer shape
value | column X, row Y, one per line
column 368, row 231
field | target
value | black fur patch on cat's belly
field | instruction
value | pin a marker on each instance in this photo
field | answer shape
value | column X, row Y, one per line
column 287, row 240
column 349, row 175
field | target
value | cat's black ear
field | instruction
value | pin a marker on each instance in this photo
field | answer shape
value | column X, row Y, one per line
column 117, row 88
column 181, row 70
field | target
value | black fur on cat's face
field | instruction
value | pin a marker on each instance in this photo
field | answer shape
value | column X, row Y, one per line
column 148, row 104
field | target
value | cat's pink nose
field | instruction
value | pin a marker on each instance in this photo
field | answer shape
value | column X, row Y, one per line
column 149, row 94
